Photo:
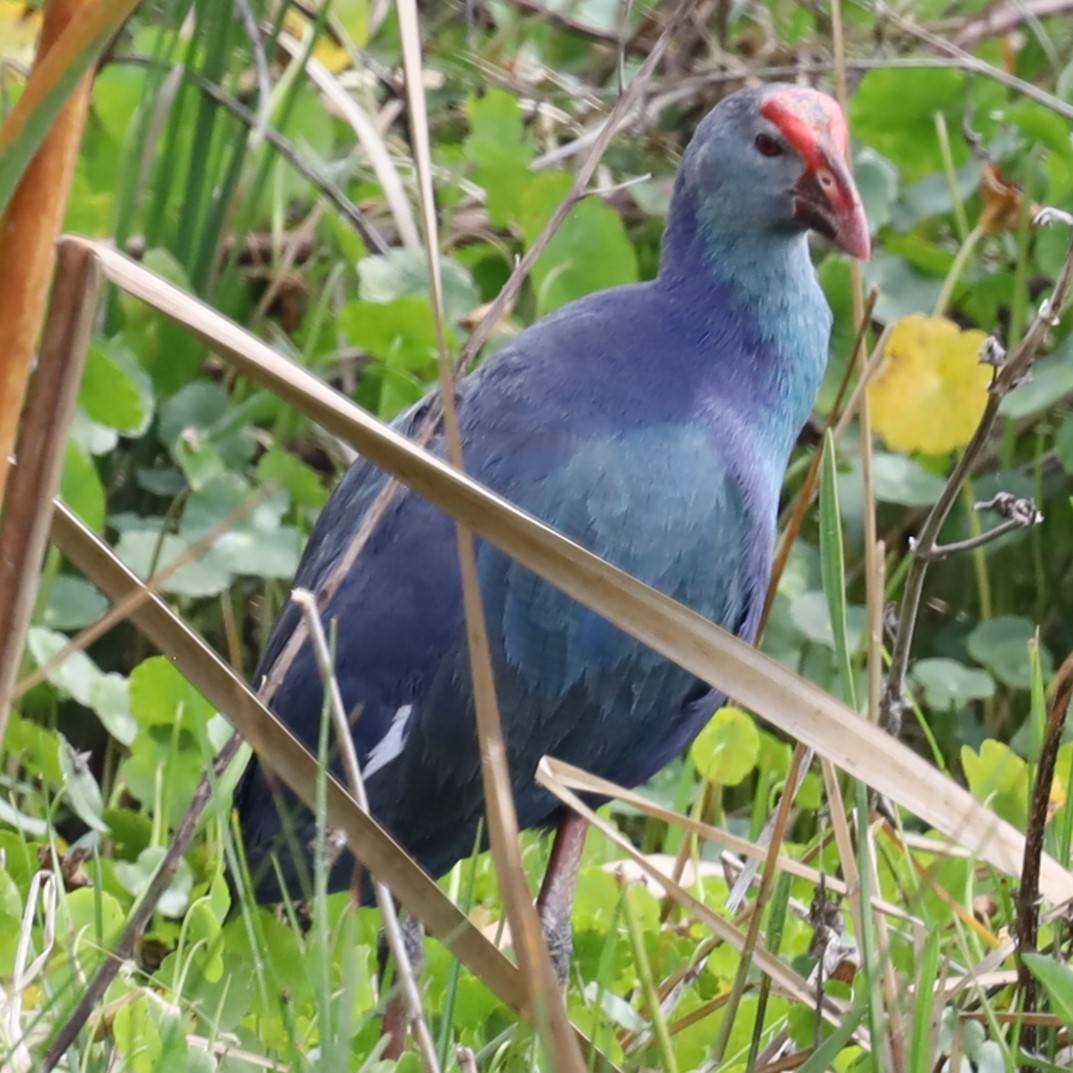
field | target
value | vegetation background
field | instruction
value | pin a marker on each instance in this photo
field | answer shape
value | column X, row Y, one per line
column 260, row 156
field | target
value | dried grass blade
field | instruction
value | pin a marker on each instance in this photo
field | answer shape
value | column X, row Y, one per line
column 784, row 977
column 545, row 998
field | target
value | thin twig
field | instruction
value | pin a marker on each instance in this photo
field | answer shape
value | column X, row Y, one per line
column 371, row 141
column 1028, row 897
column 975, row 65
column 260, row 66
column 1006, row 379
column 352, row 769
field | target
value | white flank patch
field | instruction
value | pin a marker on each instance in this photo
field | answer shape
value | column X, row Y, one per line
column 390, row 746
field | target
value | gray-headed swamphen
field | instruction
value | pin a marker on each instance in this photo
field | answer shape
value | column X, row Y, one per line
column 652, row 423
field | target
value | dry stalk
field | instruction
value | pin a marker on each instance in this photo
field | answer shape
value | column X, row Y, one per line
column 42, row 447
column 1028, row 897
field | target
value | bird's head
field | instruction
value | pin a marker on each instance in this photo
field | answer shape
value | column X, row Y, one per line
column 773, row 159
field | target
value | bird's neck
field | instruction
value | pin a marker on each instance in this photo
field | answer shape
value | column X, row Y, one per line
column 764, row 318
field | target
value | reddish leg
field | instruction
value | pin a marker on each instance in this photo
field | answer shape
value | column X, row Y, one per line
column 396, row 1025
column 556, row 901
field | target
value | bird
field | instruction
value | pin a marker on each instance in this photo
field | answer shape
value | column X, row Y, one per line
column 652, row 423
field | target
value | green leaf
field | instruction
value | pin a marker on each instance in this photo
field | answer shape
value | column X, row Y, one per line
column 79, row 677
column 117, row 96
column 81, row 789
column 1057, row 980
column 500, row 151
column 1043, row 127
column 901, row 479
column 75, row 676
column 137, row 1036
column 588, row 253
column 145, row 553
column 811, row 614
column 1001, row 645
column 37, row 748
column 401, row 335
column 403, row 273
column 93, row 918
column 137, row 876
column 1051, row 379
column 906, row 133
column 116, row 392
column 160, row 695
column 10, row 922
column 301, row 482
column 999, row 777
column 727, row 749
column 1063, row 444
column 877, row 181
column 257, row 544
column 81, row 488
column 948, row 684
column 73, row 603
column 110, row 699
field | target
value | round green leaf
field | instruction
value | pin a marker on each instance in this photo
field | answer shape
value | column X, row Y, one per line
column 948, row 684
column 726, row 750
column 1002, row 646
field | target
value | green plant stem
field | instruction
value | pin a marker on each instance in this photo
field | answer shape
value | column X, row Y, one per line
column 649, row 989
column 979, row 556
column 968, row 248
column 961, row 221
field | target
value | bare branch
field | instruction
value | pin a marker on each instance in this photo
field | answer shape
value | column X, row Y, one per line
column 1006, row 379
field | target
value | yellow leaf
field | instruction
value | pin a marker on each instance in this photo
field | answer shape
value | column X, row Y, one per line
column 19, row 27
column 351, row 17
column 931, row 389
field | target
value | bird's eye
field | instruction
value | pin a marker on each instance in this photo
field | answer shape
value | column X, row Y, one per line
column 766, row 145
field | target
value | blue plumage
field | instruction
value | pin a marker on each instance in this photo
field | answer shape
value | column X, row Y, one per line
column 652, row 423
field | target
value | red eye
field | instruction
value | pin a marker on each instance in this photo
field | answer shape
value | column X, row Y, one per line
column 766, row 145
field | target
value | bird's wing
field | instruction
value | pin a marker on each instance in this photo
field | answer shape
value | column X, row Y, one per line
column 664, row 505
column 333, row 532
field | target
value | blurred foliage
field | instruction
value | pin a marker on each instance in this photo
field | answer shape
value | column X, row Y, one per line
column 108, row 745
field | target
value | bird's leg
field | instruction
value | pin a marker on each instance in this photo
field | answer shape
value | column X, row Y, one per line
column 397, row 1014
column 555, row 903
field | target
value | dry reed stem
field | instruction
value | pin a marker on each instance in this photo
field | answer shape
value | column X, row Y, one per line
column 788, row 980
column 545, row 997
column 42, row 447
